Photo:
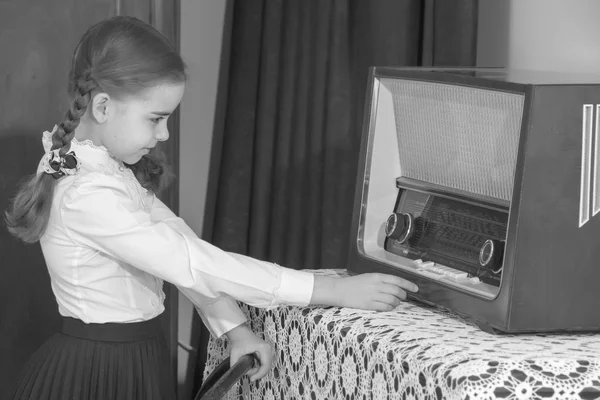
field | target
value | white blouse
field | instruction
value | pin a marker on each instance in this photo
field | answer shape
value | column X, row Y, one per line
column 110, row 244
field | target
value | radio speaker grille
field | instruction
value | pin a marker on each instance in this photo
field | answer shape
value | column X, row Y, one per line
column 457, row 136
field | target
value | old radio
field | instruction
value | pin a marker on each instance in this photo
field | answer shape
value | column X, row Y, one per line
column 482, row 186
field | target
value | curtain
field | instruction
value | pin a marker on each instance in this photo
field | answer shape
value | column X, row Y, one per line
column 284, row 164
column 286, row 145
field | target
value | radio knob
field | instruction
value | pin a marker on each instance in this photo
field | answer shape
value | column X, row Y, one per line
column 490, row 255
column 400, row 227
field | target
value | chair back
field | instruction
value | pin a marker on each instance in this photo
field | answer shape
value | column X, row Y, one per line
column 223, row 378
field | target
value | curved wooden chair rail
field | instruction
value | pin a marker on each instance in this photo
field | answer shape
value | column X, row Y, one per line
column 222, row 378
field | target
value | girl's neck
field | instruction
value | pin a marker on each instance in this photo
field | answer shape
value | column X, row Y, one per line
column 86, row 131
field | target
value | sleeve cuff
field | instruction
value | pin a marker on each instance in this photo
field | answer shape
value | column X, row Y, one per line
column 296, row 287
column 221, row 316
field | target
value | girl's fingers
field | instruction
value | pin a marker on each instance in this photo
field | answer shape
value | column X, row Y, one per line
column 392, row 290
column 389, row 299
column 399, row 282
column 264, row 356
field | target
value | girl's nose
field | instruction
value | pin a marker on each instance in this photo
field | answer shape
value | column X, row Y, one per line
column 163, row 134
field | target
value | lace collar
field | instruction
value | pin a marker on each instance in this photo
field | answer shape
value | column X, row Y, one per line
column 98, row 158
column 88, row 143
column 92, row 155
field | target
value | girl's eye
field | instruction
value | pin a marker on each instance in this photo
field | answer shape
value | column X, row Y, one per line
column 157, row 120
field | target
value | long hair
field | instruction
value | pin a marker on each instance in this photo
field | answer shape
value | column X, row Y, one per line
column 120, row 56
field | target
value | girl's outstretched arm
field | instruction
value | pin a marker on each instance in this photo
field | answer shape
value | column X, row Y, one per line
column 379, row 292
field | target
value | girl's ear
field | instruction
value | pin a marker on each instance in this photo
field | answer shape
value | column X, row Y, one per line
column 100, row 107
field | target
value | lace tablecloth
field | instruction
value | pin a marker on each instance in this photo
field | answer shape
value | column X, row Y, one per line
column 412, row 352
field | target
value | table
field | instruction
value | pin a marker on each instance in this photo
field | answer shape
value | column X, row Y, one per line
column 413, row 352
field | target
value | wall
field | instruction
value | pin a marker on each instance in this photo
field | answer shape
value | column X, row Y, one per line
column 563, row 36
column 201, row 38
column 553, row 35
column 492, row 33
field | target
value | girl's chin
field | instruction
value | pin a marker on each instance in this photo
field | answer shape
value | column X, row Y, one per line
column 132, row 159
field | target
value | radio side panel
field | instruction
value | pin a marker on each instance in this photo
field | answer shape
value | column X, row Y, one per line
column 556, row 271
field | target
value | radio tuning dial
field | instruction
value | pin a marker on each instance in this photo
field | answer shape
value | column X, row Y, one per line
column 490, row 255
column 400, row 227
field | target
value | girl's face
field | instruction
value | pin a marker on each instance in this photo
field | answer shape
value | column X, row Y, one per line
column 139, row 122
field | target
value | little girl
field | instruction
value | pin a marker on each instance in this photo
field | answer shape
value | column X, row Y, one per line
column 109, row 242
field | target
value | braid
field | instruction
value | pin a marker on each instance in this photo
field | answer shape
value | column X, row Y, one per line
column 83, row 87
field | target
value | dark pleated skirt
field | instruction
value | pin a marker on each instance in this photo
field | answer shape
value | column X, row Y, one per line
column 100, row 362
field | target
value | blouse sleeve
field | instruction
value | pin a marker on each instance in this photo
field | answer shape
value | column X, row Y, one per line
column 100, row 213
column 219, row 315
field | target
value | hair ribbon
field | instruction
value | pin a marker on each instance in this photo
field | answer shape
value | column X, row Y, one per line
column 53, row 163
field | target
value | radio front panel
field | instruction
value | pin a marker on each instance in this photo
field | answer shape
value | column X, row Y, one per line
column 435, row 133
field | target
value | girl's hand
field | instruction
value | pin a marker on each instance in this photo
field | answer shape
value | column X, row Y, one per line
column 373, row 291
column 244, row 341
